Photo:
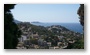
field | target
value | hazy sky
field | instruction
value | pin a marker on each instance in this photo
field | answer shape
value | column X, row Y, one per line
column 57, row 13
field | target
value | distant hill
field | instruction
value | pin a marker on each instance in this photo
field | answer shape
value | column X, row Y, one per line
column 36, row 22
column 53, row 30
column 16, row 21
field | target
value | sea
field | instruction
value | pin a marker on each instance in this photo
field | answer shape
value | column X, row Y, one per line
column 76, row 27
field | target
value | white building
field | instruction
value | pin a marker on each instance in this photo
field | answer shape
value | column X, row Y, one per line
column 22, row 38
column 49, row 43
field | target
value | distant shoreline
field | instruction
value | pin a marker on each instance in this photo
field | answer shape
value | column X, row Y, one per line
column 76, row 27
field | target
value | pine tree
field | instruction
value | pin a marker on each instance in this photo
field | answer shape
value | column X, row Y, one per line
column 11, row 30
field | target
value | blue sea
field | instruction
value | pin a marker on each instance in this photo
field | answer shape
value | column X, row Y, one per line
column 76, row 27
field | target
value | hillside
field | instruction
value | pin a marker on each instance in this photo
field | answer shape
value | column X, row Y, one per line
column 47, row 37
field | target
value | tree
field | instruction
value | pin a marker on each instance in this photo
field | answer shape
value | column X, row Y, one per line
column 11, row 30
column 81, row 14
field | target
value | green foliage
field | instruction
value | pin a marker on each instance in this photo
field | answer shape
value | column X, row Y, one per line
column 34, row 41
column 11, row 30
column 79, row 44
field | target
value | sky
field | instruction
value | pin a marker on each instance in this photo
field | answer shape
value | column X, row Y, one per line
column 48, row 13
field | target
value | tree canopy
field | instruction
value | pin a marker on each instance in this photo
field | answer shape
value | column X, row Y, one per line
column 11, row 30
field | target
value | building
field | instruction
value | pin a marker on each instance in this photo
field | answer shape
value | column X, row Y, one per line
column 36, row 36
column 22, row 38
column 48, row 43
column 56, row 47
column 59, row 43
